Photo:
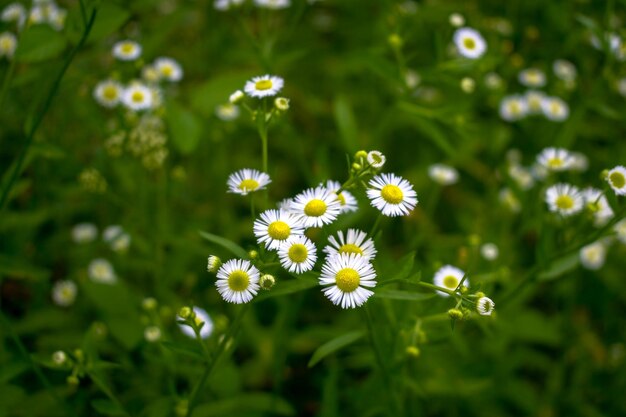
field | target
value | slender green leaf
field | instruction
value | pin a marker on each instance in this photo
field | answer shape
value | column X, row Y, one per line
column 404, row 295
column 38, row 43
column 288, row 287
column 183, row 350
column 559, row 267
column 334, row 345
column 229, row 245
column 344, row 117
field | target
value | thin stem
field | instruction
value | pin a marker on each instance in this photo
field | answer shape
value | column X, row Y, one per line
column 376, row 225
column 108, row 393
column 437, row 288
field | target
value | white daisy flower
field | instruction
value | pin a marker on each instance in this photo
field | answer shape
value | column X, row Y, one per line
column 346, row 275
column 112, row 232
column 316, row 206
column 152, row 334
column 37, row 15
column 555, row 109
column 564, row 199
column 264, row 86
column 489, row 251
column 620, row 230
column 616, row 178
column 84, row 233
column 201, row 317
column 593, row 255
column 621, row 86
column 564, row 70
column 354, row 241
column 237, row 281
column 392, row 195
column 376, row 159
column 581, row 162
column 121, row 243
column 273, row 4
column 223, row 5
column 555, row 159
column 485, row 306
column 493, row 81
column 236, row 97
column 443, row 174
column 14, row 12
column 247, row 180
column 469, row 43
column 532, row 77
column 449, row 277
column 126, row 50
column 513, row 108
column 64, row 293
column 598, row 205
column 8, row 44
column 227, row 112
column 298, row 254
column 275, row 227
column 108, row 93
column 456, row 19
column 138, row 97
column 412, row 79
column 101, row 270
column 534, row 100
column 347, row 201
column 169, row 69
column 56, row 18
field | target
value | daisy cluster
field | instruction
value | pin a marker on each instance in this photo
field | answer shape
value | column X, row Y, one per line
column 42, row 12
column 258, row 88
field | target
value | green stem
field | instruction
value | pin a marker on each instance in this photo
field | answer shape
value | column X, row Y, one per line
column 375, row 226
column 38, row 118
column 103, row 387
column 437, row 288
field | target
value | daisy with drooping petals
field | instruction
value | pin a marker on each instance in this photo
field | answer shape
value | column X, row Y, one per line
column 376, row 159
column 616, row 178
column 298, row 254
column 201, row 317
column 392, row 195
column 126, row 50
column 555, row 159
column 316, row 206
column 469, row 43
column 108, row 93
column 138, row 97
column 346, row 275
column 449, row 277
column 485, row 306
column 564, row 199
column 168, row 69
column 264, row 86
column 247, row 180
column 275, row 227
column 346, row 199
column 355, row 241
column 237, row 281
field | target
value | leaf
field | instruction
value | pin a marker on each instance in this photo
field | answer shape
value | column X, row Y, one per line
column 559, row 267
column 227, row 244
column 39, row 43
column 335, row 345
column 260, row 403
column 108, row 19
column 12, row 369
column 183, row 350
column 288, row 287
column 344, row 117
column 404, row 295
column 185, row 127
column 404, row 266
column 19, row 268
column 107, row 407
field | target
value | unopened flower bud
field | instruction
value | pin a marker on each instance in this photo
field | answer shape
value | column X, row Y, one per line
column 149, row 303
column 267, row 281
column 59, row 357
column 281, row 103
column 213, row 264
column 455, row 314
column 413, row 351
column 185, row 313
column 236, row 97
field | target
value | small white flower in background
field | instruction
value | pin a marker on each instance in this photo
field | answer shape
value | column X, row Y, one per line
column 273, row 4
column 539, row 172
column 565, row 199
column 347, row 201
column 59, row 357
column 376, row 159
column 555, row 109
column 534, row 100
column 485, row 306
column 121, row 243
column 236, row 97
column 169, row 69
column 237, row 281
column 469, row 43
column 468, row 85
column 298, row 254
column 489, row 251
column 392, row 195
column 593, row 255
column 126, row 50
column 344, row 277
column 101, row 270
column 138, row 96
column 449, row 277
column 316, row 207
column 522, row 177
column 353, row 242
column 36, row 15
column 620, row 230
column 247, row 180
column 555, row 159
column 456, row 19
column 84, row 233
column 150, row 74
column 616, row 178
column 64, row 293
column 564, row 70
column 227, row 112
column 213, row 263
column 110, row 233
column 598, row 205
column 264, row 86
column 281, row 103
column 513, row 108
column 493, row 81
column 201, row 317
column 14, row 12
column 8, row 43
column 508, row 198
column 532, row 77
column 412, row 79
column 275, row 227
column 56, row 18
column 108, row 93
column 581, row 162
column 443, row 174
column 223, row 5
column 152, row 334
column 621, row 86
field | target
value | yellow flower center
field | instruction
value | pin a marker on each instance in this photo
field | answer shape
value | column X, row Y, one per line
column 263, row 85
column 564, row 202
column 555, row 108
column 238, row 280
column 617, row 179
column 392, row 194
column 248, row 185
column 279, row 230
column 298, row 253
column 350, row 248
column 347, row 280
column 315, row 208
column 127, row 48
column 137, row 97
column 469, row 43
column 515, row 108
column 110, row 92
column 167, row 70
column 450, row 281
column 555, row 162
